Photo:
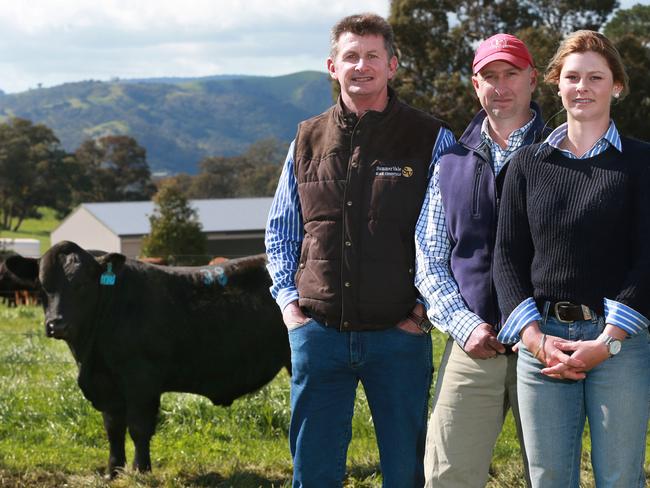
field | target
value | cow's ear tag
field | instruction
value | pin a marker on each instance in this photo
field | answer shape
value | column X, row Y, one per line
column 108, row 277
column 222, row 278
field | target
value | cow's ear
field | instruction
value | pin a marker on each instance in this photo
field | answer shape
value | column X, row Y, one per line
column 24, row 269
column 115, row 259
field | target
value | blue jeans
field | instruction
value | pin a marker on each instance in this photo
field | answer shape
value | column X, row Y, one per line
column 395, row 369
column 613, row 397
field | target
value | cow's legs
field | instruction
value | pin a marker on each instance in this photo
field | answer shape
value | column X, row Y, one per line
column 115, row 425
column 141, row 420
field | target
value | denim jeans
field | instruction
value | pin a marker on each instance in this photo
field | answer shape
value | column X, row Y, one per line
column 395, row 369
column 613, row 397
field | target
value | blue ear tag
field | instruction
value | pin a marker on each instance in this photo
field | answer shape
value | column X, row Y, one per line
column 221, row 276
column 108, row 277
column 207, row 277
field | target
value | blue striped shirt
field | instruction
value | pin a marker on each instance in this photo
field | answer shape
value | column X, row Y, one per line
column 616, row 313
column 284, row 228
column 446, row 307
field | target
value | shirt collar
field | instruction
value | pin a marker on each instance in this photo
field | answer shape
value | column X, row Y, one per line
column 611, row 137
column 515, row 136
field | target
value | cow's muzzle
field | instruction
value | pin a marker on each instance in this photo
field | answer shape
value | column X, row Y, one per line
column 55, row 328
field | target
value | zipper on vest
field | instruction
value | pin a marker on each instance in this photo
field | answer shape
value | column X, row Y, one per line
column 477, row 182
column 493, row 235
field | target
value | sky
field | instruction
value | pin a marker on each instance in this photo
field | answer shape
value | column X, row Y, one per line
column 49, row 42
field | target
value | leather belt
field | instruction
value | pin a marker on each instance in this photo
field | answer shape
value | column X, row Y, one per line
column 568, row 312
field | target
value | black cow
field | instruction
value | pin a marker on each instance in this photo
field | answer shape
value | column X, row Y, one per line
column 137, row 330
column 14, row 290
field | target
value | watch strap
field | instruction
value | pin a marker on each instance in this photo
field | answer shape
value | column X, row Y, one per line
column 423, row 323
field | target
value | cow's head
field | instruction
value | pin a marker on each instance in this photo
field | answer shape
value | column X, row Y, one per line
column 69, row 279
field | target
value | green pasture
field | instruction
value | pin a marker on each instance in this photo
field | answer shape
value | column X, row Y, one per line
column 36, row 228
column 50, row 436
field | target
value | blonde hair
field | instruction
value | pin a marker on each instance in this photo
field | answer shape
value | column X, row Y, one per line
column 586, row 40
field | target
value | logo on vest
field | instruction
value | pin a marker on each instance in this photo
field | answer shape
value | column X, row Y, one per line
column 394, row 170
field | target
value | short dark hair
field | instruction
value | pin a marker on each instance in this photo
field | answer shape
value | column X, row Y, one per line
column 363, row 25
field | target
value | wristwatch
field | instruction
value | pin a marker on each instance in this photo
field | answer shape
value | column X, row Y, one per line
column 613, row 345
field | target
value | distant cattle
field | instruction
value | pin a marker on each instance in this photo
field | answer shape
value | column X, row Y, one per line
column 153, row 260
column 137, row 330
column 16, row 291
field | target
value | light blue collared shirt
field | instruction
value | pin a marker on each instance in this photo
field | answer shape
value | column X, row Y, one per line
column 616, row 313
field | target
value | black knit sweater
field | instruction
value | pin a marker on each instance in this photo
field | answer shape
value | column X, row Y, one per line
column 575, row 229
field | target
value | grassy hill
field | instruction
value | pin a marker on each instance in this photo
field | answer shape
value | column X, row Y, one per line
column 178, row 120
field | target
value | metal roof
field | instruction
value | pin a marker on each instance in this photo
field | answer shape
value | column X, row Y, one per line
column 215, row 215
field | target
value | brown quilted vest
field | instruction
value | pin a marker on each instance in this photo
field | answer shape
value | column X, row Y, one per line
column 361, row 183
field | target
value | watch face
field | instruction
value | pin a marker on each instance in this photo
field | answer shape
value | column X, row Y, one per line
column 614, row 347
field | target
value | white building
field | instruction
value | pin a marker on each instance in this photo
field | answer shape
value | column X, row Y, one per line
column 29, row 248
column 234, row 226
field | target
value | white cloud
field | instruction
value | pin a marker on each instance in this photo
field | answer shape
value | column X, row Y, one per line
column 54, row 41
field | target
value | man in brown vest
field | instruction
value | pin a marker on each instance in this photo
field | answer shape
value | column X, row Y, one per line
column 341, row 254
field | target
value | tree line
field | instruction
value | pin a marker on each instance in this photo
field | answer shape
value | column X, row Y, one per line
column 35, row 171
column 436, row 41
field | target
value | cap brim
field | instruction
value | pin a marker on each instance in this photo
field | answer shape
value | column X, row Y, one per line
column 516, row 61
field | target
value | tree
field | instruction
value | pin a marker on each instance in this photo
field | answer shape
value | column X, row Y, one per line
column 566, row 16
column 634, row 21
column 33, row 172
column 116, row 169
column 218, row 177
column 435, row 54
column 630, row 30
column 176, row 233
column 631, row 113
column 433, row 75
column 252, row 174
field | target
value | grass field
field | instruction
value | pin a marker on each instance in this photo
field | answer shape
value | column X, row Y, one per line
column 50, row 436
column 36, row 228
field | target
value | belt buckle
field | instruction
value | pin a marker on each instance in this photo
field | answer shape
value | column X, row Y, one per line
column 556, row 311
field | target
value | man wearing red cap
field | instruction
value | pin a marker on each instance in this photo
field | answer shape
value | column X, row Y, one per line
column 454, row 244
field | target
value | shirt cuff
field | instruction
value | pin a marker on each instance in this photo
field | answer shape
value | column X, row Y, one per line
column 286, row 296
column 521, row 316
column 625, row 317
column 463, row 323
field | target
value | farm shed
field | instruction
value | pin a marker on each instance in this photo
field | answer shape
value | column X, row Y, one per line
column 29, row 248
column 234, row 226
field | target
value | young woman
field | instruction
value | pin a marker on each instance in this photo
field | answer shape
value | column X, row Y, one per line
column 572, row 271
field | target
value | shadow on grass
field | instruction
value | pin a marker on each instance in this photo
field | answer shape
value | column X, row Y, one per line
column 239, row 479
column 357, row 476
column 364, row 471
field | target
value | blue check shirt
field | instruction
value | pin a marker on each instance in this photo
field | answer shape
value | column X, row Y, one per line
column 446, row 307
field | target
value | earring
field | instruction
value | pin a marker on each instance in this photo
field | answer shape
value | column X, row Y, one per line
column 559, row 94
column 617, row 94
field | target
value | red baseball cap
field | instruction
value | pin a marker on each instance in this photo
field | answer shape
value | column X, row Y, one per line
column 502, row 47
